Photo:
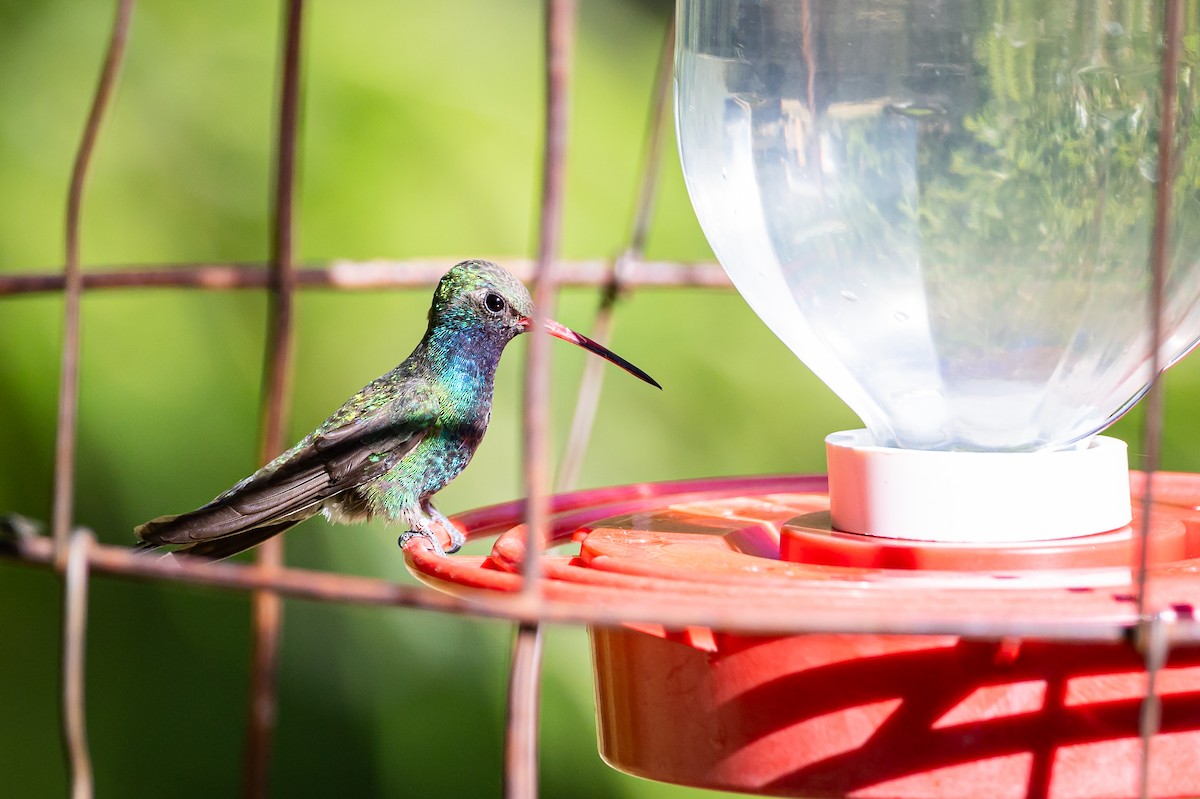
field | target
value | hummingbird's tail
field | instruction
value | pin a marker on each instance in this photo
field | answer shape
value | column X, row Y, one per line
column 224, row 547
column 268, row 502
column 347, row 452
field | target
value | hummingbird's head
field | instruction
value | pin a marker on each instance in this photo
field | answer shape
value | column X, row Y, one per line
column 482, row 297
column 486, row 301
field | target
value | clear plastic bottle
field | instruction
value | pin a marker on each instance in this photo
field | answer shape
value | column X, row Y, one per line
column 945, row 207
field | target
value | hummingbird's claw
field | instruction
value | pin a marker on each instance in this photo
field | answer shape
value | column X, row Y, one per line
column 438, row 520
column 431, row 538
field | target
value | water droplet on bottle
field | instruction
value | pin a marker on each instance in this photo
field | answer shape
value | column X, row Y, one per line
column 849, row 295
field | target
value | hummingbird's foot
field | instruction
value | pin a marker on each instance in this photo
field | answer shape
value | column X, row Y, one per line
column 437, row 519
column 428, row 536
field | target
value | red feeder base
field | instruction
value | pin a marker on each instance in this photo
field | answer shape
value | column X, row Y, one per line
column 892, row 716
column 880, row 716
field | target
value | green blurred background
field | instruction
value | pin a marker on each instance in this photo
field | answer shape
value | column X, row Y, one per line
column 421, row 138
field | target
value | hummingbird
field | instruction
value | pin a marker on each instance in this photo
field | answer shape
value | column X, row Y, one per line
column 395, row 443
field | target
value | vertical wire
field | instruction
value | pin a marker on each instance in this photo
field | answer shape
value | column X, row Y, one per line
column 590, row 385
column 521, row 723
column 71, row 552
column 524, row 707
column 267, row 606
column 1164, row 187
column 63, row 503
column 1153, row 635
column 74, row 671
column 1156, row 648
column 560, row 24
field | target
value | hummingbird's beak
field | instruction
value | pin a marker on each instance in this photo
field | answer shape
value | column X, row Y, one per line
column 567, row 334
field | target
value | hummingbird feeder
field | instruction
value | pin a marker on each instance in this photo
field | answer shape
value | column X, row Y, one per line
column 946, row 209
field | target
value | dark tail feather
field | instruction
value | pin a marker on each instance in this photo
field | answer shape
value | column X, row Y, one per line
column 218, row 548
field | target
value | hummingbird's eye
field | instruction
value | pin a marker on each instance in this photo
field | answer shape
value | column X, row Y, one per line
column 494, row 302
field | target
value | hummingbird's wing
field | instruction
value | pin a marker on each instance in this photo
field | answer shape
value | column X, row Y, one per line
column 351, row 448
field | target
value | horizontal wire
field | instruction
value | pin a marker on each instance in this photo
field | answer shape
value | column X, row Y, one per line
column 350, row 275
column 631, row 607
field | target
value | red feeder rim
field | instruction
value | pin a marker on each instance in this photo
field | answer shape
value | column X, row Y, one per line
column 749, row 684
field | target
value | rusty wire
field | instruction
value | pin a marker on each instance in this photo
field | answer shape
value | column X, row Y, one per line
column 345, row 275
column 1155, row 646
column 71, row 551
column 521, row 719
column 1164, row 186
column 559, row 44
column 267, row 606
column 78, row 554
column 622, row 268
column 74, row 670
column 68, row 392
column 324, row 586
column 524, row 703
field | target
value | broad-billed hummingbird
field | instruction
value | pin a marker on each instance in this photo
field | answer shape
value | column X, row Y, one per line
column 395, row 443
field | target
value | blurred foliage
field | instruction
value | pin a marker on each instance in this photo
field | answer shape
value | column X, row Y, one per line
column 421, row 139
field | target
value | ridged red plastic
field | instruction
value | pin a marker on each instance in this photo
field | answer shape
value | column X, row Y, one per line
column 879, row 716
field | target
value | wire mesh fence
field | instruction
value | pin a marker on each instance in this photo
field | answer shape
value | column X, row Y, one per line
column 76, row 553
